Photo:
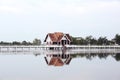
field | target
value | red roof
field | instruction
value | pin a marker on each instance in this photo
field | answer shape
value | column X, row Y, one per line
column 57, row 36
column 56, row 61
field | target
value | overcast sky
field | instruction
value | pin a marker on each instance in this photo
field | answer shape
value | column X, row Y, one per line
column 28, row 19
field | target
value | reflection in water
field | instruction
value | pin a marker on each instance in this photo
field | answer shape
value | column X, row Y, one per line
column 91, row 56
column 65, row 59
column 117, row 57
column 58, row 59
column 72, row 65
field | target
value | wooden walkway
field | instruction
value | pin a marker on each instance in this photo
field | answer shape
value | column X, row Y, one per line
column 71, row 48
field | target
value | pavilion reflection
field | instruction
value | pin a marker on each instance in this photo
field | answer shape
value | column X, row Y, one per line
column 58, row 59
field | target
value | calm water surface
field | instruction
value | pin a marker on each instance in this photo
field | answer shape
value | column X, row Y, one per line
column 60, row 67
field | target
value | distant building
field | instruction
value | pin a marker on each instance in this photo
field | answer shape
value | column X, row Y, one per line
column 78, row 38
column 57, row 38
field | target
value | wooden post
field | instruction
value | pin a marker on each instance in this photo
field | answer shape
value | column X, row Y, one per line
column 7, row 48
column 21, row 49
column 15, row 49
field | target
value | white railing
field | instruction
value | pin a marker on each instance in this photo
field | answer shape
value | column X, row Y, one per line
column 47, row 46
column 57, row 48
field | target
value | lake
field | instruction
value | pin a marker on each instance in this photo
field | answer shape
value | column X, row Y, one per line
column 49, row 66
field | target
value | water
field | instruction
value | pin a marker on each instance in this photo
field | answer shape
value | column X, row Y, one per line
column 79, row 66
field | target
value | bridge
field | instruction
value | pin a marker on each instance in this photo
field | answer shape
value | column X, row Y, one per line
column 58, row 48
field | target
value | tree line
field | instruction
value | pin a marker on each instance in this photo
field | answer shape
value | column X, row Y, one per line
column 34, row 42
column 90, row 40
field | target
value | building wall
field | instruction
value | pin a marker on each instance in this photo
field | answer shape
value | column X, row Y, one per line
column 48, row 40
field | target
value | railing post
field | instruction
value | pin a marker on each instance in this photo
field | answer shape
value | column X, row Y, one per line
column 0, row 48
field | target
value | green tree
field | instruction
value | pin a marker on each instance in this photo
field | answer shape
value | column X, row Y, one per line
column 16, row 43
column 117, row 39
column 5, row 43
column 90, row 40
column 93, row 41
column 74, row 41
column 102, row 41
column 24, row 42
column 82, row 41
column 36, row 41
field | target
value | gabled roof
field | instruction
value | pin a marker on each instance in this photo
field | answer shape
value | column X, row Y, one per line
column 68, row 36
column 56, row 61
column 57, row 36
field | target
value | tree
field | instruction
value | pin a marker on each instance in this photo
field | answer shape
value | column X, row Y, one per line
column 24, row 43
column 36, row 41
column 102, row 41
column 74, row 41
column 82, row 41
column 16, row 43
column 117, row 39
column 5, row 43
column 93, row 41
column 89, row 39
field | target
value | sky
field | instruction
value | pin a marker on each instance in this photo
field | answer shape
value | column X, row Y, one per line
column 29, row 19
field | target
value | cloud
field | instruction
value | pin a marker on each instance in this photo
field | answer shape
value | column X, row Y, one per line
column 63, row 8
column 76, row 9
column 8, row 9
column 62, row 15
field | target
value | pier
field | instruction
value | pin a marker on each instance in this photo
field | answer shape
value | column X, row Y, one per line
column 58, row 48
